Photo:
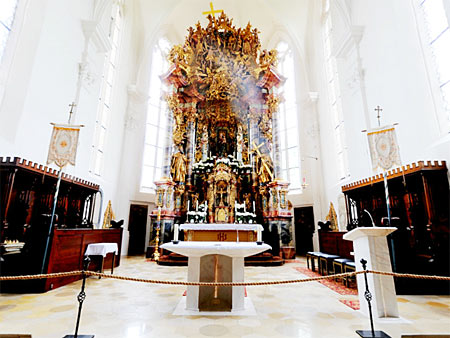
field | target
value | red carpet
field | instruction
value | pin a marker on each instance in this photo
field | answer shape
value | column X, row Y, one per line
column 354, row 304
column 329, row 283
column 293, row 261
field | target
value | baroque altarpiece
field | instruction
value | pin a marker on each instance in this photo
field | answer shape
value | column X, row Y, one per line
column 222, row 161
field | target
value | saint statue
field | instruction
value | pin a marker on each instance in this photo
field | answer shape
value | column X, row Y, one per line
column 204, row 143
column 178, row 166
column 222, row 144
column 264, row 165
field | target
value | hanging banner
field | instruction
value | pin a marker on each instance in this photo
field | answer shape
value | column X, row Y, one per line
column 384, row 150
column 63, row 144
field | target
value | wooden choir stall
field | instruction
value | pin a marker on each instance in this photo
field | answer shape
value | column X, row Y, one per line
column 419, row 205
column 27, row 193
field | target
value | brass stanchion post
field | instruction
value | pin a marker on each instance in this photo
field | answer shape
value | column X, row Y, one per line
column 158, row 227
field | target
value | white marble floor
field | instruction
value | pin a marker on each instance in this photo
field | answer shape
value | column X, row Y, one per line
column 123, row 309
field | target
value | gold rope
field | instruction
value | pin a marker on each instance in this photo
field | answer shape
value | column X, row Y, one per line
column 154, row 281
column 42, row 276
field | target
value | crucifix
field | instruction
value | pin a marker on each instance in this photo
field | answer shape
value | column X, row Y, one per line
column 72, row 105
column 213, row 12
column 256, row 148
column 378, row 110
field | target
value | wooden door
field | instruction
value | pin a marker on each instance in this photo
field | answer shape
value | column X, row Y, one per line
column 137, row 224
column 304, row 229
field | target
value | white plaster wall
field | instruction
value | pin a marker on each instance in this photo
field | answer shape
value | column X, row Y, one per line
column 395, row 75
column 43, row 82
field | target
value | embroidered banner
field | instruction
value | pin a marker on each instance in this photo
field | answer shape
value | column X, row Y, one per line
column 384, row 150
column 63, row 145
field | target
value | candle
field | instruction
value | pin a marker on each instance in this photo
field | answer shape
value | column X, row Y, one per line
column 196, row 207
column 253, row 206
column 188, row 206
column 175, row 233
column 259, row 236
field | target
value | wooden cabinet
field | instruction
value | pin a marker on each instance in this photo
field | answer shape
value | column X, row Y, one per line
column 68, row 248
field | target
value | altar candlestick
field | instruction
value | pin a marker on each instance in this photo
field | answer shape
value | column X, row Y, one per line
column 175, row 233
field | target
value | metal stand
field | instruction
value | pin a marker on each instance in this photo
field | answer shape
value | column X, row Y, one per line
column 372, row 333
column 81, row 297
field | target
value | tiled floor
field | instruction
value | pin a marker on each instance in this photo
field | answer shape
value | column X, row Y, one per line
column 125, row 309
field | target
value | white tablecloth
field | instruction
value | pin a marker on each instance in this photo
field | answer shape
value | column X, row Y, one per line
column 221, row 226
column 101, row 249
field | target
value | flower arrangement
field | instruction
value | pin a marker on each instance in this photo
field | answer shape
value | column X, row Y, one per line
column 243, row 216
column 198, row 216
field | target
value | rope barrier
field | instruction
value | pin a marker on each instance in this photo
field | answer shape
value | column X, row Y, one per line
column 151, row 281
column 42, row 276
column 280, row 282
column 408, row 275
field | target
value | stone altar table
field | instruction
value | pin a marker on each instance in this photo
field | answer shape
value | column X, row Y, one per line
column 223, row 261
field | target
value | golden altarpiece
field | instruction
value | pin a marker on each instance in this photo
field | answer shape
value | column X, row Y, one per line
column 222, row 158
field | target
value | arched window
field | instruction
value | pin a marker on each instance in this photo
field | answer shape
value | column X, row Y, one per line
column 156, row 125
column 334, row 97
column 438, row 34
column 105, row 99
column 288, row 119
column 7, row 14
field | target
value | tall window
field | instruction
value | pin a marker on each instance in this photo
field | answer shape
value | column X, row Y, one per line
column 7, row 13
column 288, row 118
column 438, row 31
column 334, row 97
column 156, row 126
column 105, row 99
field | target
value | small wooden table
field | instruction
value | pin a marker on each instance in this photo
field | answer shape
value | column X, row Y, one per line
column 102, row 249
